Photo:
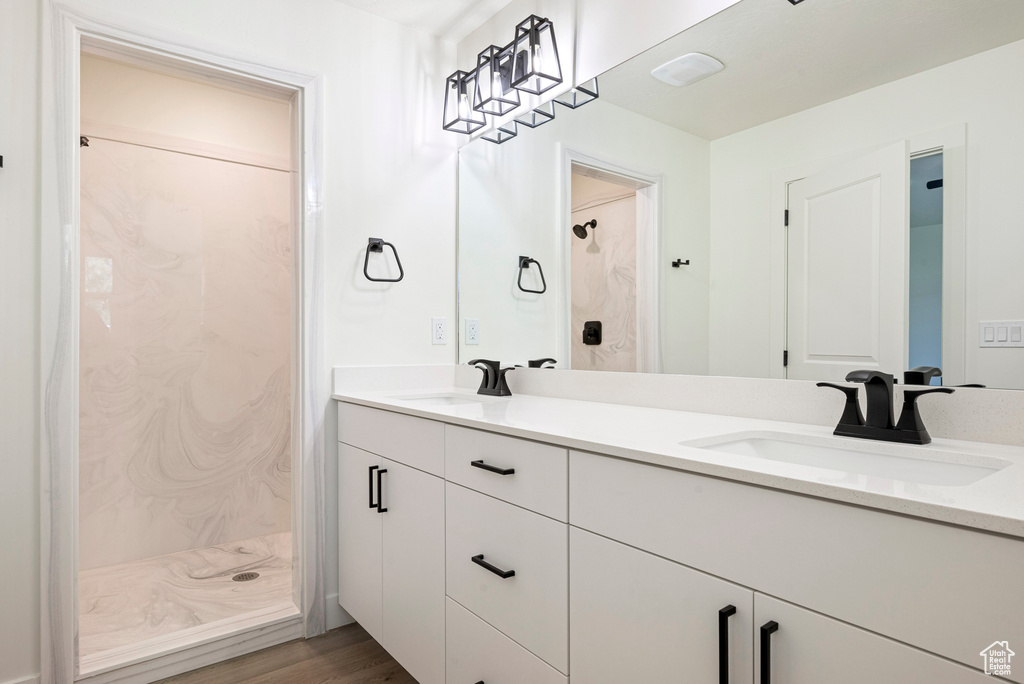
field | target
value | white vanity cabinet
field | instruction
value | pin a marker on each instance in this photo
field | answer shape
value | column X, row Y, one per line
column 942, row 589
column 505, row 560
column 635, row 617
column 808, row 648
column 391, row 538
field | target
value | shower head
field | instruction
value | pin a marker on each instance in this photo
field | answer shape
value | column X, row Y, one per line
column 581, row 231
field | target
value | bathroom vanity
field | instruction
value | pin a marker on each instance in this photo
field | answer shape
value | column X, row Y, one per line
column 538, row 539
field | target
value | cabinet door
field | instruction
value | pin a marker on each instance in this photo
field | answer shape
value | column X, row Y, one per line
column 635, row 617
column 359, row 538
column 809, row 648
column 414, row 570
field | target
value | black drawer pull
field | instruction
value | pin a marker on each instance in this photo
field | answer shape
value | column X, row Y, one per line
column 372, row 468
column 767, row 629
column 493, row 469
column 723, row 643
column 380, row 491
column 503, row 574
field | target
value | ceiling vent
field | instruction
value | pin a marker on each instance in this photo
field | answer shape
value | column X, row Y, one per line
column 688, row 69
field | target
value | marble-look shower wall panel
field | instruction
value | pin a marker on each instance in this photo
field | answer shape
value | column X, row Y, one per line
column 604, row 286
column 185, row 379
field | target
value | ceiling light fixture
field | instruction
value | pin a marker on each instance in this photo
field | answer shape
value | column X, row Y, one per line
column 535, row 68
column 494, row 93
column 459, row 115
column 688, row 69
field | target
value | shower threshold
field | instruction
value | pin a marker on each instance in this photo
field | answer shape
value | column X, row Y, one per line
column 184, row 602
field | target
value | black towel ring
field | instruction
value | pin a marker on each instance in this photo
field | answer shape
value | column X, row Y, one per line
column 524, row 263
column 376, row 245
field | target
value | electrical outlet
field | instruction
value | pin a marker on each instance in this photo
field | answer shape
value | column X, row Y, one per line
column 439, row 331
column 472, row 331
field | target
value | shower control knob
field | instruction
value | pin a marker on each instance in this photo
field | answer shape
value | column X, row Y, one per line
column 592, row 332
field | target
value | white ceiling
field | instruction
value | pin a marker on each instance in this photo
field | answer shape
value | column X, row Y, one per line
column 450, row 20
column 782, row 58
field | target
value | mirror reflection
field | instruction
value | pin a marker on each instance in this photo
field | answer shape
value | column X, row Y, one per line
column 843, row 193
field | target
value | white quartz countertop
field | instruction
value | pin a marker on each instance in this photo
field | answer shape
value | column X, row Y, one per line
column 656, row 436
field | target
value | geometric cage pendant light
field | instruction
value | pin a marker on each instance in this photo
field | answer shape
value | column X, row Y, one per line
column 493, row 91
column 535, row 64
column 459, row 115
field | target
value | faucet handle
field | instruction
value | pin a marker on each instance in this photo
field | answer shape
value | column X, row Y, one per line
column 910, row 417
column 541, row 363
column 922, row 375
column 851, row 412
column 866, row 376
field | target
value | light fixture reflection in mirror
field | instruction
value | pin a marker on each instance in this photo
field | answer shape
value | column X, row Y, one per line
column 580, row 95
column 539, row 116
column 502, row 133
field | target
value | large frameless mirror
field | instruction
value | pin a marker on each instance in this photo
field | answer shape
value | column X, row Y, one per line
column 834, row 185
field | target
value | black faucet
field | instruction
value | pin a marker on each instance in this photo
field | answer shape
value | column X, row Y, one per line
column 879, row 423
column 493, row 382
column 541, row 363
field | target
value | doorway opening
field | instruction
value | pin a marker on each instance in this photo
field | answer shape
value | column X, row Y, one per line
column 187, row 362
column 610, row 240
column 925, row 259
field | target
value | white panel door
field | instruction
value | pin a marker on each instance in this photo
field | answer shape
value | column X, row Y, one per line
column 414, row 570
column 847, row 267
column 360, row 529
column 809, row 648
column 635, row 617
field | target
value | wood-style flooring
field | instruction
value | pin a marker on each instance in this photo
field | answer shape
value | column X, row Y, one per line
column 347, row 655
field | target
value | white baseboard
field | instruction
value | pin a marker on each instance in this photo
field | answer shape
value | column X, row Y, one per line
column 33, row 679
column 336, row 615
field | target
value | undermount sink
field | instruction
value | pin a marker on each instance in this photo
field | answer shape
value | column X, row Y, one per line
column 874, row 459
column 445, row 399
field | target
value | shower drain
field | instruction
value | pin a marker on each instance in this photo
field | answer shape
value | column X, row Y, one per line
column 245, row 576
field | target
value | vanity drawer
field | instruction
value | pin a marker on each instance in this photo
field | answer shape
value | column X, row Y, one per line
column 540, row 481
column 416, row 442
column 941, row 588
column 476, row 652
column 530, row 607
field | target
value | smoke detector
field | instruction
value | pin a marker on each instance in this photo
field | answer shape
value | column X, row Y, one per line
column 688, row 69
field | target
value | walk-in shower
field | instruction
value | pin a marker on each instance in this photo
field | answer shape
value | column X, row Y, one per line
column 185, row 362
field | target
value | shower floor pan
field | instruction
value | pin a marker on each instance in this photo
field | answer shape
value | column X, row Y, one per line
column 128, row 613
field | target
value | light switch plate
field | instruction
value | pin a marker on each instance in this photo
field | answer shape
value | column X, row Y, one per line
column 1001, row 334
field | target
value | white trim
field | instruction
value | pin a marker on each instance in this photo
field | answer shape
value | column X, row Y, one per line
column 33, row 679
column 63, row 34
column 649, row 193
column 952, row 141
column 172, row 143
column 176, row 647
column 199, row 655
column 336, row 615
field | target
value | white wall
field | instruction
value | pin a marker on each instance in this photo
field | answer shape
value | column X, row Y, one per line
column 19, row 340
column 985, row 92
column 389, row 172
column 509, row 204
column 119, row 95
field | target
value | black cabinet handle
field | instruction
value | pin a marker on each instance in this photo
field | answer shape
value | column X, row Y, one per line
column 723, row 643
column 372, row 468
column 380, row 491
column 493, row 469
column 767, row 629
column 503, row 574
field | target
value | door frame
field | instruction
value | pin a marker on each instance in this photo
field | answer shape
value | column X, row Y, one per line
column 649, row 192
column 952, row 142
column 65, row 34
